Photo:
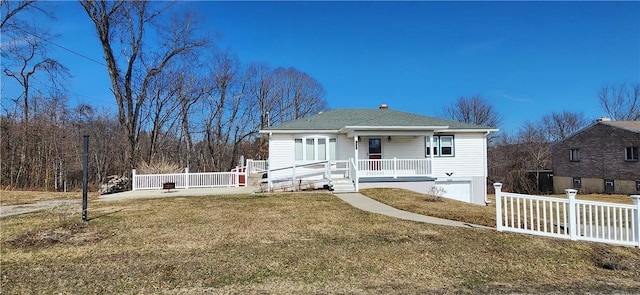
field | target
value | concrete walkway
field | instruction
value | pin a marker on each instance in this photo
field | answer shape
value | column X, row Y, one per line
column 367, row 204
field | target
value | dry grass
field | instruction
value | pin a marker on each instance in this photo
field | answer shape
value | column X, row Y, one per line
column 291, row 244
column 460, row 211
column 434, row 206
column 28, row 197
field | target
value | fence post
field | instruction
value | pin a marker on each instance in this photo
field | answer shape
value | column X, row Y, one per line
column 237, row 176
column 293, row 177
column 327, row 170
column 249, row 166
column 636, row 218
column 269, row 177
column 573, row 223
column 186, row 178
column 133, row 179
column 498, row 188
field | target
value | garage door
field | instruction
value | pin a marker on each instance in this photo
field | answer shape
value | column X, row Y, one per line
column 457, row 190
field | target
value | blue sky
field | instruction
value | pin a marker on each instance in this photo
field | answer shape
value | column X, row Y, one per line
column 526, row 58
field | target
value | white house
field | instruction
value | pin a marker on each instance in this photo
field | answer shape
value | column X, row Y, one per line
column 350, row 149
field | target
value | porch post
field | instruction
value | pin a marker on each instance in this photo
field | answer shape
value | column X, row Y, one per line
column 355, row 157
column 355, row 146
column 431, row 155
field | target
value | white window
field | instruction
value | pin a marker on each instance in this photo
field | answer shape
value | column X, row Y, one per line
column 298, row 149
column 574, row 155
column 322, row 146
column 443, row 146
column 309, row 149
column 446, row 145
column 631, row 153
column 332, row 148
column 314, row 149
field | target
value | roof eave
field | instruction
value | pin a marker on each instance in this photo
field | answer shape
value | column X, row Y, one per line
column 346, row 129
column 292, row 131
column 471, row 130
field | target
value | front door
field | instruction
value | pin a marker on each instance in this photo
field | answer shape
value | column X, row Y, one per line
column 375, row 153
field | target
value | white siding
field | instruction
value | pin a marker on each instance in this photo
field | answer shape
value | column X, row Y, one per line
column 401, row 147
column 344, row 148
column 469, row 159
column 281, row 152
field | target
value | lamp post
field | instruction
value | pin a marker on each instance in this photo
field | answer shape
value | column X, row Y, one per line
column 85, row 178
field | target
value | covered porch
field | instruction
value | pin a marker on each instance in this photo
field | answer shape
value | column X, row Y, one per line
column 354, row 157
column 348, row 174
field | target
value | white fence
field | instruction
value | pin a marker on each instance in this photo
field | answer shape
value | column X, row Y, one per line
column 568, row 218
column 257, row 166
column 186, row 180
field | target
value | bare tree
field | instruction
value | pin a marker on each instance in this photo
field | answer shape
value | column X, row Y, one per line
column 473, row 110
column 559, row 126
column 40, row 80
column 622, row 102
column 10, row 9
column 161, row 110
column 191, row 89
column 122, row 28
column 298, row 95
column 228, row 110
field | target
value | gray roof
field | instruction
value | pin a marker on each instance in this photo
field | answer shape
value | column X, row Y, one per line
column 633, row 126
column 340, row 118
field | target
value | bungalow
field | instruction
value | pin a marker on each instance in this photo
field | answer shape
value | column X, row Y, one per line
column 350, row 149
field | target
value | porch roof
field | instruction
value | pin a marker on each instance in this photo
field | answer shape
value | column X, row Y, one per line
column 344, row 120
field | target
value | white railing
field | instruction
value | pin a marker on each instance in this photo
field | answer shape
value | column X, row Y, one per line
column 185, row 180
column 394, row 167
column 568, row 218
column 292, row 175
column 341, row 167
column 256, row 166
column 353, row 173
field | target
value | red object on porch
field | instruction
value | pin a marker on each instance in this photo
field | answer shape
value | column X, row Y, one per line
column 241, row 178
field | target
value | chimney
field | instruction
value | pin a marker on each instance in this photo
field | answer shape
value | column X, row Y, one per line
column 384, row 106
column 603, row 119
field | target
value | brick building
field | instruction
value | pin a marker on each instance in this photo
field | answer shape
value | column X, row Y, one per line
column 601, row 158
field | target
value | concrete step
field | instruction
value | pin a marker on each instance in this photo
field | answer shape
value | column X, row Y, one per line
column 342, row 185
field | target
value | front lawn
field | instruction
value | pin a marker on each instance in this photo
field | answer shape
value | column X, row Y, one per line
column 290, row 244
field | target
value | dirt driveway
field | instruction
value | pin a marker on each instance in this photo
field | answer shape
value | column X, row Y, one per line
column 37, row 206
column 10, row 210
